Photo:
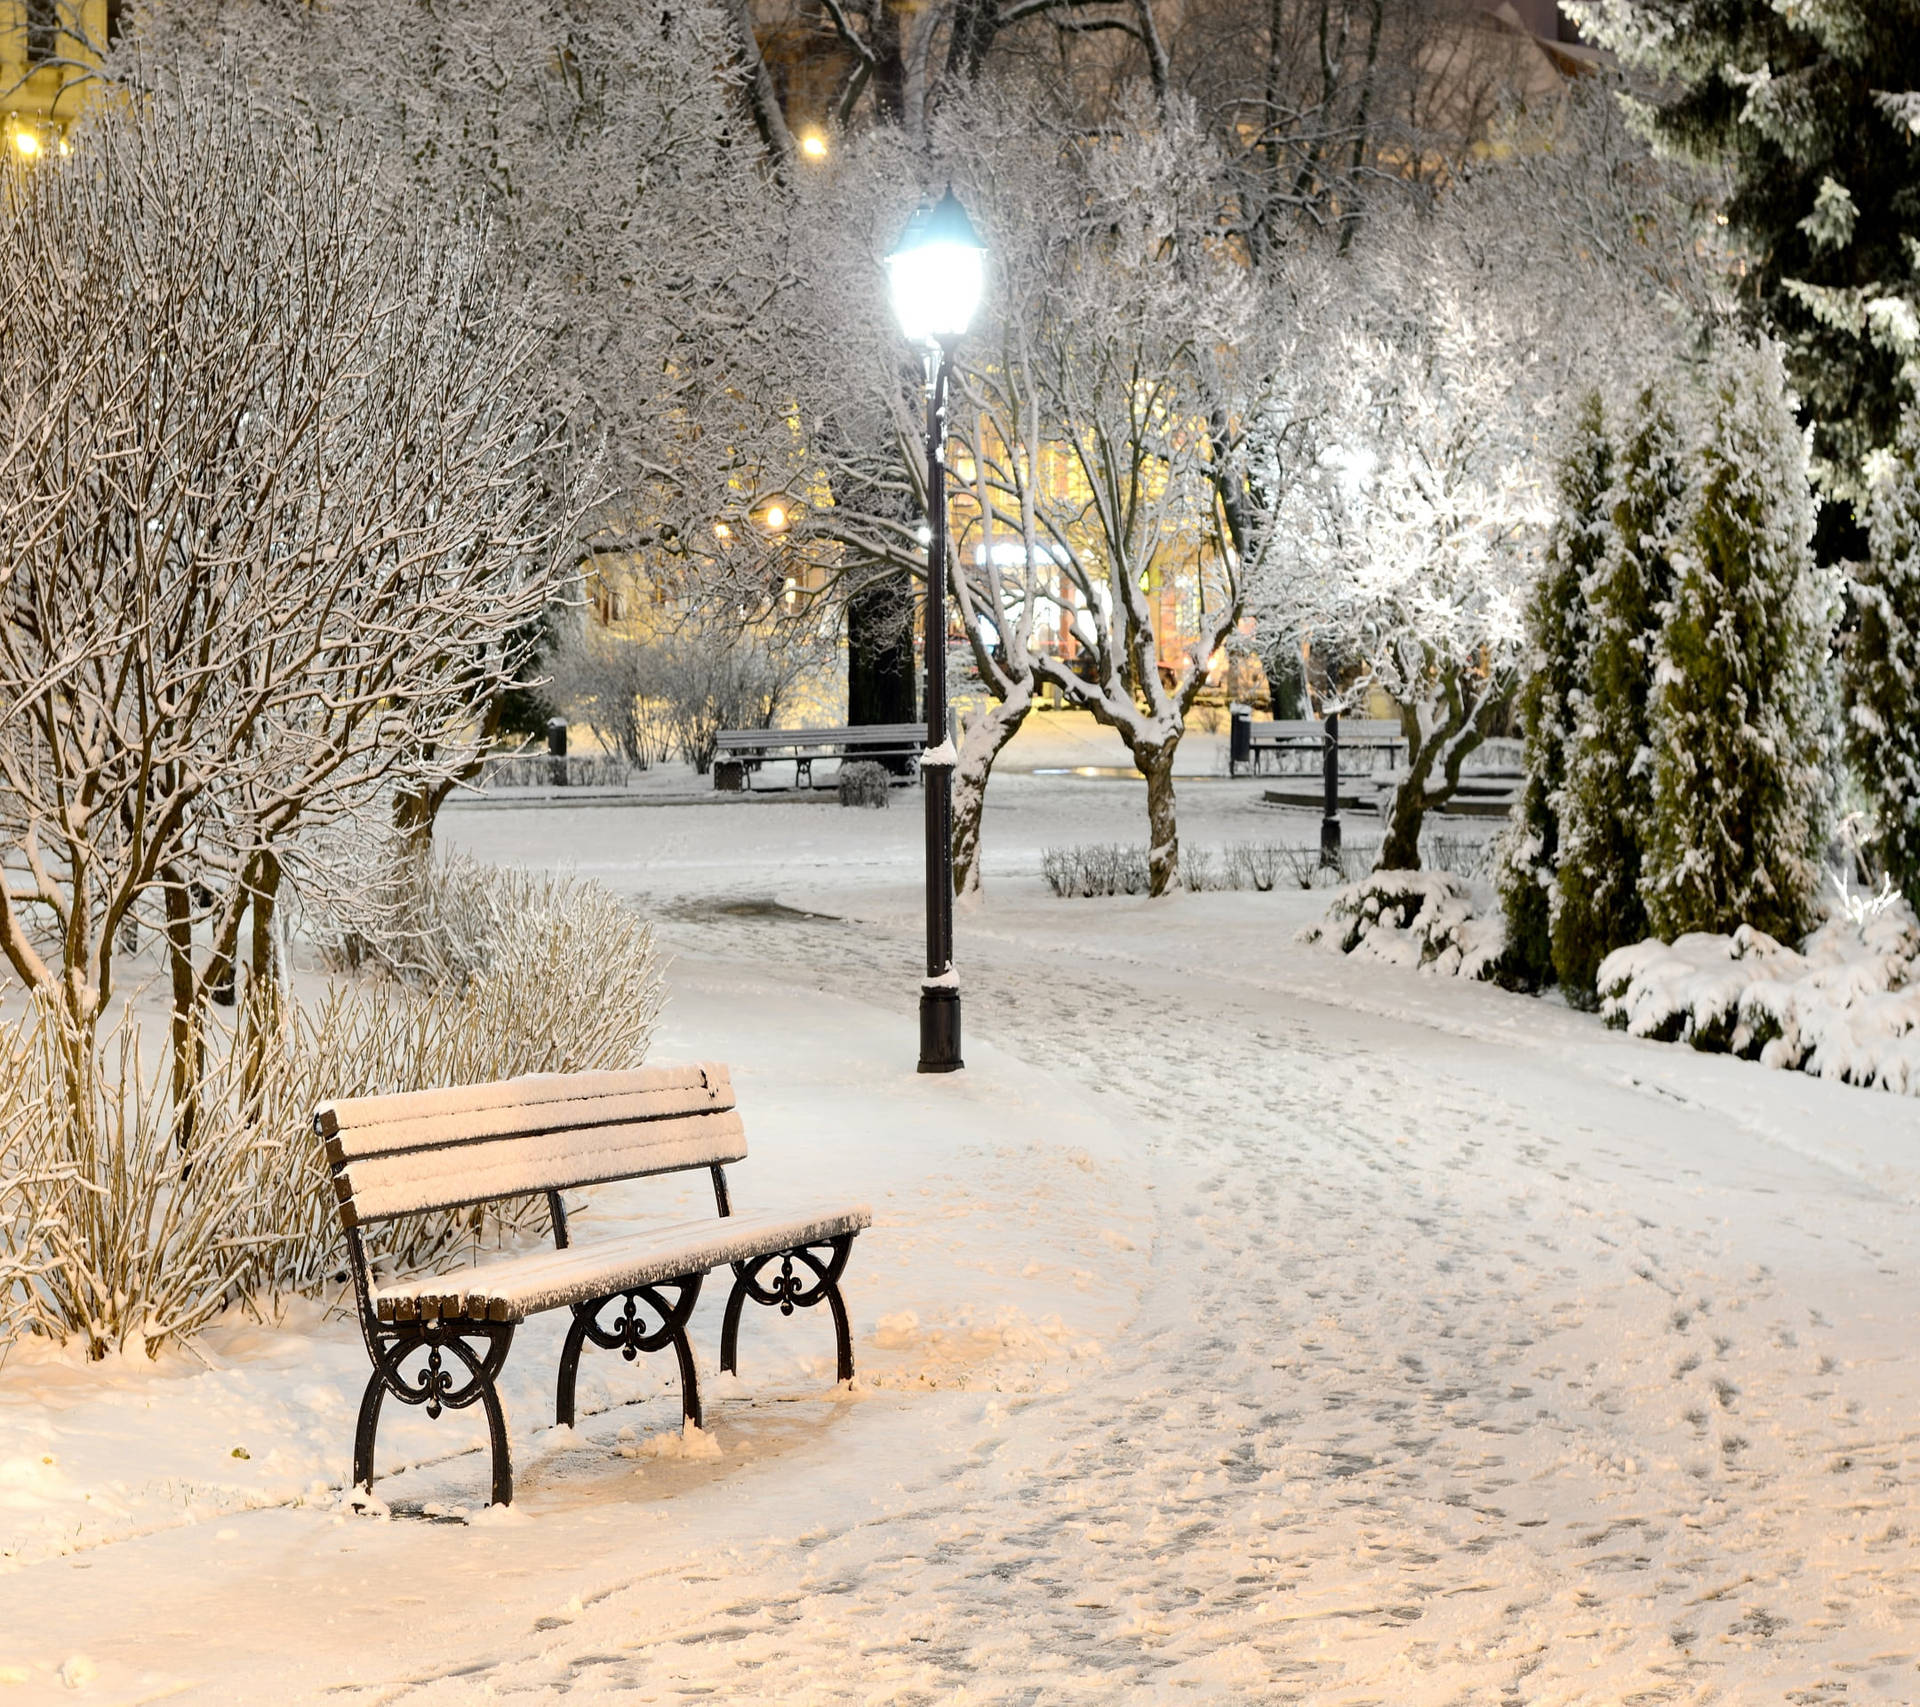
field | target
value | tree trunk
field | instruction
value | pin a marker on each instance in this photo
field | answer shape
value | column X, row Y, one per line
column 1163, row 851
column 184, row 1028
column 417, row 805
column 985, row 737
column 262, row 1015
column 1401, row 849
column 880, row 673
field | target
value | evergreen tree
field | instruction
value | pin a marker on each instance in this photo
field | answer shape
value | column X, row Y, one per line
column 1812, row 108
column 1607, row 808
column 1738, row 716
column 1556, row 667
column 1883, row 663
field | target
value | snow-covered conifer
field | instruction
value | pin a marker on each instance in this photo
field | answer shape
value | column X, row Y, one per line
column 1606, row 813
column 1556, row 656
column 1738, row 720
column 1883, row 663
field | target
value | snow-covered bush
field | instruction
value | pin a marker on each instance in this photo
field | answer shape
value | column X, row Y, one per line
column 113, row 1235
column 115, row 1232
column 1740, row 677
column 1844, row 1006
column 864, row 783
column 1427, row 920
column 1607, row 808
column 1102, row 868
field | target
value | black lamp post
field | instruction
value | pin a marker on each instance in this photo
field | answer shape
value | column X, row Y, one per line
column 935, row 276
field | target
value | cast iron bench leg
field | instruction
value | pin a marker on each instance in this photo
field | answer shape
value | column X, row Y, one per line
column 629, row 1335
column 788, row 1291
column 437, row 1388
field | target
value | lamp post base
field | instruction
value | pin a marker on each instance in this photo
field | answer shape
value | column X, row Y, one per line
column 940, row 1029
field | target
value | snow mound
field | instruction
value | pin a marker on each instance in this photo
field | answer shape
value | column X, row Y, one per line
column 1844, row 1005
column 1427, row 920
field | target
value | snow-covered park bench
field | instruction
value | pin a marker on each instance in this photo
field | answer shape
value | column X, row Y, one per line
column 630, row 1292
column 738, row 753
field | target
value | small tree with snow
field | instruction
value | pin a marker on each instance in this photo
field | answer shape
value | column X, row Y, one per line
column 1882, row 679
column 1606, row 813
column 1556, row 664
column 1428, row 534
column 277, row 495
column 1739, row 677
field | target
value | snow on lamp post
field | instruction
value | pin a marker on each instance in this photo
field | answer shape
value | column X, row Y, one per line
column 935, row 276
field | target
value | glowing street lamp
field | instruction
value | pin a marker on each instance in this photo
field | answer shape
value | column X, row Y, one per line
column 936, row 276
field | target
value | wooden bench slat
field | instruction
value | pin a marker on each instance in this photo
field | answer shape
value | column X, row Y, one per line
column 513, row 1288
column 709, row 1079
column 378, row 1187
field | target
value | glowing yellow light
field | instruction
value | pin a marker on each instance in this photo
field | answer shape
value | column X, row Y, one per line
column 776, row 517
column 722, row 531
column 813, row 145
column 27, row 142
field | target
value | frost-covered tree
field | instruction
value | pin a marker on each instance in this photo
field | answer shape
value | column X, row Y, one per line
column 1814, row 108
column 609, row 155
column 277, row 493
column 1427, row 536
column 1556, row 674
column 1606, row 808
column 1740, row 672
column 1882, row 677
column 1126, row 417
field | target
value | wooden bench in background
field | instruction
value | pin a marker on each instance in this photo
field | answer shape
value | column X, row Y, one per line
column 738, row 753
column 441, row 1340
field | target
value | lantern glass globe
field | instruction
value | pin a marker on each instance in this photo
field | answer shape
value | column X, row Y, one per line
column 937, row 274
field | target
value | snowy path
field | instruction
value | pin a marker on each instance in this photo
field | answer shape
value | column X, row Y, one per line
column 1453, row 1354
column 1450, row 1384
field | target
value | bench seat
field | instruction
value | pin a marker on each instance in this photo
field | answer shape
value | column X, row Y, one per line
column 513, row 1288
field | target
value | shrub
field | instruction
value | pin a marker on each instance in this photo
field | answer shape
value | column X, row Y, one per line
column 1883, row 663
column 1738, row 714
column 864, row 783
column 1112, row 869
column 1421, row 919
column 1556, row 620
column 111, row 1232
column 1607, row 814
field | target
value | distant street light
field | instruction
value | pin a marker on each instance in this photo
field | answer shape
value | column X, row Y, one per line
column 813, row 145
column 936, row 276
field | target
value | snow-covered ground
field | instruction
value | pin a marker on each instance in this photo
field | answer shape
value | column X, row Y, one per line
column 1244, row 1324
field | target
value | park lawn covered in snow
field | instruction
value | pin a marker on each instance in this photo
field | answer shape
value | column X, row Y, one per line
column 1248, row 1323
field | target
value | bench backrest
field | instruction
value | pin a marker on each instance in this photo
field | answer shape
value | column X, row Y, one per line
column 395, row 1155
column 1311, row 729
column 878, row 734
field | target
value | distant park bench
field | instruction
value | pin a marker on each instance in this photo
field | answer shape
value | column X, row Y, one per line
column 738, row 753
column 1371, row 750
column 1372, row 759
column 549, row 1133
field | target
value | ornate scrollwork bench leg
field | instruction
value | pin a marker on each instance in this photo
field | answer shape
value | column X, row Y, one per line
column 628, row 1334
column 436, row 1386
column 789, row 1291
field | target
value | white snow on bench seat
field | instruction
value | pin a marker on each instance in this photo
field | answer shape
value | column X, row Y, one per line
column 517, row 1287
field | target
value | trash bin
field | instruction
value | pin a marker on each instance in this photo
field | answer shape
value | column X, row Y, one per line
column 557, row 751
column 1239, row 739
